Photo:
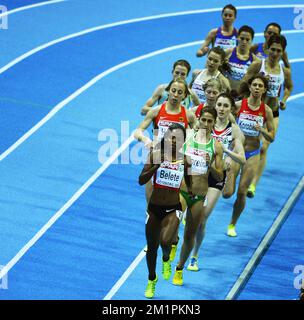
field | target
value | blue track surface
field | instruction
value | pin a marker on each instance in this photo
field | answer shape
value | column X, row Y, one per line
column 96, row 239
column 275, row 276
column 13, row 4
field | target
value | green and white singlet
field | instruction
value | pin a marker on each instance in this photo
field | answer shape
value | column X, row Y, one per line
column 201, row 154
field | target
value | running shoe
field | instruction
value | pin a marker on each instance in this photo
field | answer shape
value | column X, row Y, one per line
column 231, row 231
column 193, row 265
column 251, row 191
column 178, row 278
column 166, row 270
column 150, row 289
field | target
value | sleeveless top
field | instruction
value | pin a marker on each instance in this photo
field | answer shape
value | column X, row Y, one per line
column 224, row 137
column 247, row 118
column 225, row 42
column 201, row 154
column 169, row 175
column 259, row 52
column 238, row 67
column 199, row 82
column 275, row 81
column 163, row 120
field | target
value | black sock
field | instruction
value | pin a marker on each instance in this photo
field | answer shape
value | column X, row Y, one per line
column 165, row 259
column 152, row 278
column 175, row 243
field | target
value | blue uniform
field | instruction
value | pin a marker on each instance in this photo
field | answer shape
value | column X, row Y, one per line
column 259, row 52
column 238, row 67
column 225, row 42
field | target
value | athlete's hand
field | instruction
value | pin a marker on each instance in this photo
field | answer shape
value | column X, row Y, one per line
column 144, row 110
column 202, row 52
column 257, row 127
column 282, row 105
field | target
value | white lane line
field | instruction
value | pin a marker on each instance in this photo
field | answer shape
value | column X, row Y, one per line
column 296, row 96
column 40, row 4
column 141, row 255
column 75, row 95
column 265, row 243
column 91, row 83
column 6, row 268
column 124, row 22
column 126, row 275
column 69, row 203
column 65, row 207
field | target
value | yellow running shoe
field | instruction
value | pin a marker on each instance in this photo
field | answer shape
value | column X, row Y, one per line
column 251, row 191
column 178, row 278
column 166, row 270
column 150, row 289
column 193, row 265
column 231, row 231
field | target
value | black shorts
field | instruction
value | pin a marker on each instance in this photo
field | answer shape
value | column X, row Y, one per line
column 162, row 211
column 213, row 183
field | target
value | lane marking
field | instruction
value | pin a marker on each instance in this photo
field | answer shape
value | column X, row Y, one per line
column 125, row 275
column 65, row 207
column 138, row 259
column 35, row 5
column 265, row 243
column 130, row 21
column 80, row 191
column 89, row 84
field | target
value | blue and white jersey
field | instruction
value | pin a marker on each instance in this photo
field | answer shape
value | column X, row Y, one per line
column 238, row 67
column 259, row 52
column 225, row 42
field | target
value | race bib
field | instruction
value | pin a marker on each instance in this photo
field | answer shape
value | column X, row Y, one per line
column 247, row 122
column 170, row 174
column 200, row 160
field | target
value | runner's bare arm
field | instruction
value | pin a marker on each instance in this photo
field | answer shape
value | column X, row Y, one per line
column 288, row 86
column 139, row 132
column 205, row 45
column 153, row 99
column 217, row 169
column 268, row 132
column 152, row 164
column 253, row 69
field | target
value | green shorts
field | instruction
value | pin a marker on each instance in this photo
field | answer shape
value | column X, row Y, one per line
column 191, row 201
